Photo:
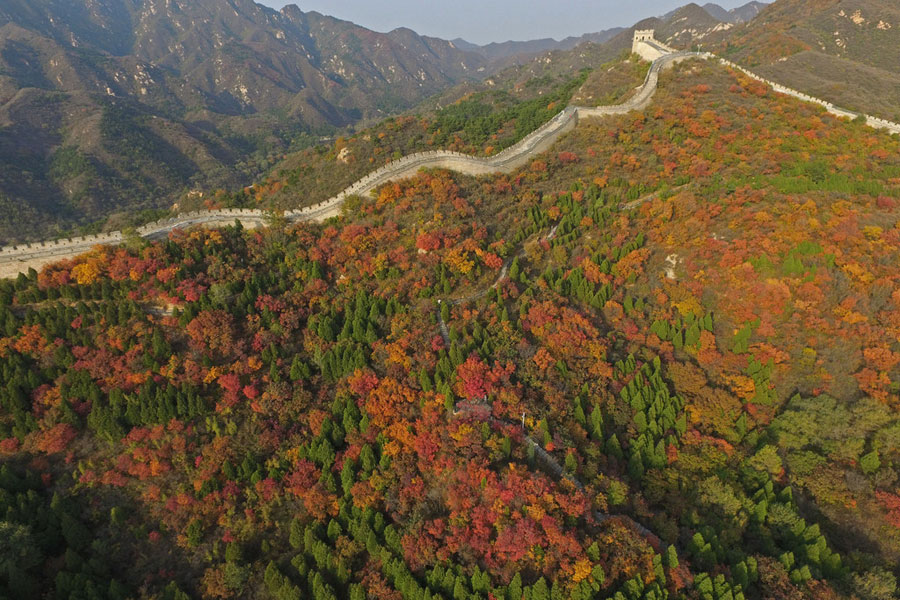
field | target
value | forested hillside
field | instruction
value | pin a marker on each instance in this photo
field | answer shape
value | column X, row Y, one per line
column 478, row 119
column 660, row 361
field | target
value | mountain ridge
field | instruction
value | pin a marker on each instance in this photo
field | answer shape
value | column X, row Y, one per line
column 502, row 50
column 739, row 14
column 189, row 91
column 513, row 48
column 535, row 143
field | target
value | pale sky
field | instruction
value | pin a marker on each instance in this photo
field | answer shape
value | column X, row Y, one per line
column 483, row 21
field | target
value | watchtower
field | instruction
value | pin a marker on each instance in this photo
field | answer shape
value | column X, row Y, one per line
column 646, row 46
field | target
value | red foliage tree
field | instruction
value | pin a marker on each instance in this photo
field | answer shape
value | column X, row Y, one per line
column 213, row 331
column 56, row 439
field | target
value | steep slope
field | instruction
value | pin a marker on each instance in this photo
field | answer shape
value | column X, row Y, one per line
column 216, row 49
column 690, row 24
column 717, row 12
column 847, row 51
column 747, row 12
column 778, row 220
column 116, row 104
column 864, row 32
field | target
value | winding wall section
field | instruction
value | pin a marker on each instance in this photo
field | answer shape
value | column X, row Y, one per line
column 16, row 259
column 874, row 122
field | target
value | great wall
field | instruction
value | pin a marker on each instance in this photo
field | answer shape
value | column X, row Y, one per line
column 18, row 259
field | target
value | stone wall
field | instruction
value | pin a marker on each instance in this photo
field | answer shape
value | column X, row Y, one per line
column 645, row 94
column 647, row 51
column 874, row 122
column 506, row 161
column 645, row 45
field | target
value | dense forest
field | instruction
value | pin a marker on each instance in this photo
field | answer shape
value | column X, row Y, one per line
column 660, row 361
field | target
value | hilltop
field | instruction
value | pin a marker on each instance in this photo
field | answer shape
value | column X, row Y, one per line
column 740, row 14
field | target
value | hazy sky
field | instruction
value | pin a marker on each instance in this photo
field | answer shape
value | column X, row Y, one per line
column 483, row 21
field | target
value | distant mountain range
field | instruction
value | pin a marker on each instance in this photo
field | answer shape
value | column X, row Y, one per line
column 690, row 16
column 110, row 104
column 741, row 14
column 501, row 50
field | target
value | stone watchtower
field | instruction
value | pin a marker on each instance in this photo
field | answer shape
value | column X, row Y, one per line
column 645, row 46
column 642, row 35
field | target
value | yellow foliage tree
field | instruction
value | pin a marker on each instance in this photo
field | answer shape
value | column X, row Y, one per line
column 86, row 273
column 458, row 261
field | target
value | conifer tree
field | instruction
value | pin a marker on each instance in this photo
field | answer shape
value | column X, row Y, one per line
column 514, row 590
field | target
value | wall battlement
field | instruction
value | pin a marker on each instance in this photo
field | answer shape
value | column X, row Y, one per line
column 874, row 122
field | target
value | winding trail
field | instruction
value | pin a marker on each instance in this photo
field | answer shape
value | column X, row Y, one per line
column 504, row 271
column 551, row 465
column 473, row 409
